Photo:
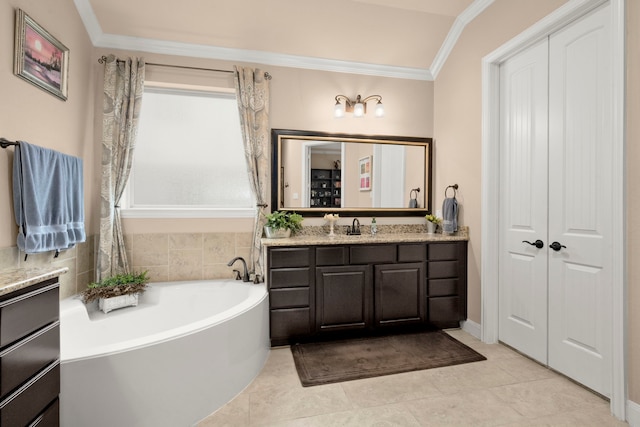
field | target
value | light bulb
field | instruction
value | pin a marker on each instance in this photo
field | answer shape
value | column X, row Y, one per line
column 358, row 110
column 338, row 110
column 379, row 109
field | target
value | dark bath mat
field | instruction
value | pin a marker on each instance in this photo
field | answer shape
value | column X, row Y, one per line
column 336, row 361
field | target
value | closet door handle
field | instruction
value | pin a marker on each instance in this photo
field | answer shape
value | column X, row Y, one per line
column 538, row 243
column 556, row 246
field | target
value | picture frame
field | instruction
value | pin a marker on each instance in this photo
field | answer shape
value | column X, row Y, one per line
column 364, row 167
column 40, row 58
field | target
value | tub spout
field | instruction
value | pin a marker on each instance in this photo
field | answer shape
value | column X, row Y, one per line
column 245, row 274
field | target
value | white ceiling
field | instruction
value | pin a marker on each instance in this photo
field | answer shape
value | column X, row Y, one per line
column 406, row 39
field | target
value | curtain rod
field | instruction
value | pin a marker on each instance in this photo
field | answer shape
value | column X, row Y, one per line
column 103, row 59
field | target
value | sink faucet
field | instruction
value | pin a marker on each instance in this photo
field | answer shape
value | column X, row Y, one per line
column 245, row 275
column 355, row 228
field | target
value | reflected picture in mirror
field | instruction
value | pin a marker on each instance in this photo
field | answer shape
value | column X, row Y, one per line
column 320, row 172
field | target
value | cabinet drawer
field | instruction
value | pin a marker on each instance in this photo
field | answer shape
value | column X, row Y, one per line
column 289, row 298
column 21, row 361
column 332, row 255
column 443, row 269
column 372, row 254
column 412, row 253
column 28, row 312
column 443, row 287
column 288, row 278
column 31, row 400
column 444, row 251
column 445, row 312
column 50, row 417
column 289, row 257
column 290, row 322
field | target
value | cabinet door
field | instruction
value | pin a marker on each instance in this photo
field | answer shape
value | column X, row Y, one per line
column 343, row 298
column 400, row 294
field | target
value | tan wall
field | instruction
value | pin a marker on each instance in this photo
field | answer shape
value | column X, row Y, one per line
column 31, row 114
column 633, row 195
column 457, row 121
column 458, row 116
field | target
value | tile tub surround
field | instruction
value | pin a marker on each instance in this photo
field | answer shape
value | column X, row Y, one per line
column 172, row 257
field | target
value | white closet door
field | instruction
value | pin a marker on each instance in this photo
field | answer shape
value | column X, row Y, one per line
column 523, row 213
column 580, row 179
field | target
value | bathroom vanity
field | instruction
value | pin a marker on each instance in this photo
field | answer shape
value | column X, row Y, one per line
column 323, row 286
column 29, row 347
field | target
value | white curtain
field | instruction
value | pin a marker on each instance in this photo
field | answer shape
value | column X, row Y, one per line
column 123, row 87
column 252, row 91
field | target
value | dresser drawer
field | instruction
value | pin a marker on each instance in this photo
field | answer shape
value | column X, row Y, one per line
column 443, row 287
column 21, row 361
column 444, row 251
column 28, row 312
column 412, row 253
column 50, row 417
column 372, row 254
column 289, row 257
column 289, row 298
column 290, row 322
column 443, row 269
column 331, row 255
column 288, row 278
column 29, row 401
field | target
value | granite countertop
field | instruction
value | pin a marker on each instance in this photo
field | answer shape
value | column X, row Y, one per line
column 14, row 279
column 366, row 238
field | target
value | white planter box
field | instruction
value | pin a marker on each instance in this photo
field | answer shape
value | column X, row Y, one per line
column 109, row 304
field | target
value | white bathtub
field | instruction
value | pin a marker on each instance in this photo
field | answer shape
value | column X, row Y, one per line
column 183, row 352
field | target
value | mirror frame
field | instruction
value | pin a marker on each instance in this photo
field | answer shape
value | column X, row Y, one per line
column 277, row 135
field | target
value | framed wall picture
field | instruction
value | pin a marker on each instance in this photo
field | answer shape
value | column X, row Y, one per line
column 40, row 58
column 365, row 173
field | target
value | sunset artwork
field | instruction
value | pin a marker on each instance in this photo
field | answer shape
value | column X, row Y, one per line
column 42, row 59
column 39, row 57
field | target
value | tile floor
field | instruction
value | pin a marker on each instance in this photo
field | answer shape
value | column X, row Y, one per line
column 505, row 390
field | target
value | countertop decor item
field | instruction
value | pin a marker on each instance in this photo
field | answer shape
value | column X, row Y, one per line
column 281, row 224
column 432, row 223
column 331, row 219
column 117, row 291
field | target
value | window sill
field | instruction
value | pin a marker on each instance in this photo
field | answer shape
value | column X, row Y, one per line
column 188, row 213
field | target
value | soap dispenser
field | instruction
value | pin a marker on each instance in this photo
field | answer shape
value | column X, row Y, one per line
column 374, row 226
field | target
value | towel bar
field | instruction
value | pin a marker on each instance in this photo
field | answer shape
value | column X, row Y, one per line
column 4, row 143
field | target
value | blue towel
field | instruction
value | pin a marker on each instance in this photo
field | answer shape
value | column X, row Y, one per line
column 449, row 215
column 48, row 199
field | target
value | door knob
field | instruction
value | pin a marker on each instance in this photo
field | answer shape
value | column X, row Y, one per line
column 556, row 246
column 538, row 243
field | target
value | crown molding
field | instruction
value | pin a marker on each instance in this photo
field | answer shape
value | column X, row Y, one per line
column 113, row 41
column 468, row 15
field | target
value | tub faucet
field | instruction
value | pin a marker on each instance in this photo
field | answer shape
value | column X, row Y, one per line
column 245, row 275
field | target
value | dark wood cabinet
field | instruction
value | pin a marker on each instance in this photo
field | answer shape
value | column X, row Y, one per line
column 30, row 355
column 400, row 294
column 343, row 298
column 447, row 283
column 365, row 288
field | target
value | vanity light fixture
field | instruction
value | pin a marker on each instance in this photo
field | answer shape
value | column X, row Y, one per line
column 357, row 107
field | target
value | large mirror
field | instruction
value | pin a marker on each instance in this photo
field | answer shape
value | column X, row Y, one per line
column 315, row 173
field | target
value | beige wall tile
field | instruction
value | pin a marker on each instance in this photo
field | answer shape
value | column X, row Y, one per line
column 185, row 241
column 150, row 249
column 185, row 265
column 218, row 248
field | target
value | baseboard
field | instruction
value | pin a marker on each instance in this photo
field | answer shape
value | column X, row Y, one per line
column 472, row 328
column 633, row 414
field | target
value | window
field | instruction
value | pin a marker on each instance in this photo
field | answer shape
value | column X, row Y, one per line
column 189, row 157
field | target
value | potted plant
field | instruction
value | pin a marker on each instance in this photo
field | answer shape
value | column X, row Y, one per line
column 432, row 223
column 281, row 224
column 121, row 290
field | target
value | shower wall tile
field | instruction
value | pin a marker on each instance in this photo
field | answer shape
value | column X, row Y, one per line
column 219, row 248
column 150, row 249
